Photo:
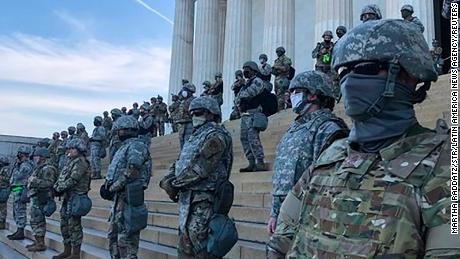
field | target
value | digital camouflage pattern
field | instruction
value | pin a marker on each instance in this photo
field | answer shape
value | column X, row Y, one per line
column 236, row 87
column 98, row 142
column 205, row 161
column 75, row 177
column 132, row 161
column 107, row 123
column 5, row 175
column 416, row 22
column 380, row 40
column 160, row 113
column 207, row 103
column 20, row 175
column 40, row 184
column 396, row 202
column 371, row 9
column 146, row 128
column 249, row 135
column 314, row 81
column 281, row 69
column 83, row 135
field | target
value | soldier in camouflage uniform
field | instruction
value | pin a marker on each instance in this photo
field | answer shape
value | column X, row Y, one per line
column 436, row 54
column 107, row 123
column 173, row 109
column 83, row 134
column 184, row 117
column 236, row 87
column 406, row 13
column 75, row 178
column 314, row 129
column 146, row 124
column 40, row 190
column 98, row 143
column 161, row 115
column 250, row 108
column 5, row 175
column 53, row 148
column 340, row 31
column 114, row 141
column 132, row 163
column 281, row 69
column 61, row 150
column 204, row 162
column 385, row 191
column 135, row 112
column 153, row 104
column 323, row 53
column 71, row 130
column 22, row 170
column 265, row 72
column 370, row 12
column 124, row 110
column 217, row 89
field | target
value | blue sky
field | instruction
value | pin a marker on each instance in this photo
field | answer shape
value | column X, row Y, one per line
column 66, row 61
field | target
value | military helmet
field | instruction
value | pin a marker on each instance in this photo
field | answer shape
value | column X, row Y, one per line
column 78, row 144
column 105, row 113
column 328, row 33
column 239, row 73
column 207, row 83
column 135, row 104
column 41, row 151
column 190, row 87
column 116, row 112
column 252, row 65
column 80, row 126
column 371, row 9
column 407, row 7
column 315, row 82
column 44, row 142
column 280, row 49
column 342, row 28
column 64, row 133
column 145, row 106
column 207, row 103
column 98, row 119
column 174, row 96
column 56, row 134
column 386, row 41
column 264, row 56
column 24, row 150
column 4, row 160
column 185, row 81
column 218, row 74
column 159, row 97
column 71, row 130
column 126, row 122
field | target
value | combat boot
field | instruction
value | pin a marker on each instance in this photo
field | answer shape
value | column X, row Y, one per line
column 39, row 245
column 2, row 225
column 75, row 252
column 250, row 168
column 260, row 166
column 65, row 254
column 31, row 245
column 18, row 235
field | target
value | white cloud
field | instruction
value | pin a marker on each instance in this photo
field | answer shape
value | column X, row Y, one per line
column 89, row 65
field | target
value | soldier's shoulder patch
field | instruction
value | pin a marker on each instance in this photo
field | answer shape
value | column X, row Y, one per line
column 213, row 144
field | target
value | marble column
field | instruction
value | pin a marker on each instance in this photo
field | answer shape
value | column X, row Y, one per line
column 221, row 44
column 182, row 45
column 330, row 14
column 279, row 28
column 237, row 48
column 206, row 48
column 423, row 9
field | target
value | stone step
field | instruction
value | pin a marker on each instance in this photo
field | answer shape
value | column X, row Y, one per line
column 7, row 250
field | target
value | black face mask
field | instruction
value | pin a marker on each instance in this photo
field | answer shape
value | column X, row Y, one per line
column 376, row 131
column 247, row 74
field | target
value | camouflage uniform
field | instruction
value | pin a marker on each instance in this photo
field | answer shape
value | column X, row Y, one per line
column 83, row 135
column 236, row 87
column 409, row 10
column 98, row 142
column 160, row 114
column 146, row 125
column 281, row 69
column 392, row 203
column 323, row 54
column 370, row 12
column 107, row 123
column 302, row 144
column 204, row 162
column 184, row 118
column 217, row 89
column 114, row 140
column 131, row 162
column 249, row 135
column 5, row 175
column 40, row 184
column 173, row 109
column 53, row 148
column 75, row 178
column 21, row 173
column 61, row 153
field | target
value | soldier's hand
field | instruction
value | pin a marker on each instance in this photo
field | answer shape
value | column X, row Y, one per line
column 271, row 225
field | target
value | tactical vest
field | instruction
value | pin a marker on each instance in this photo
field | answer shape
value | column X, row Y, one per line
column 21, row 173
column 363, row 205
column 38, row 173
column 296, row 150
column 183, row 113
column 120, row 162
column 5, row 174
column 145, row 131
column 83, row 184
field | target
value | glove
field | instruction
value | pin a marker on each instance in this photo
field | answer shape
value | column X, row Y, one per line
column 105, row 193
column 166, row 184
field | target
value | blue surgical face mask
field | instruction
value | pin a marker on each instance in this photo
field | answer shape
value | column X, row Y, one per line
column 296, row 99
column 198, row 120
column 184, row 94
column 299, row 103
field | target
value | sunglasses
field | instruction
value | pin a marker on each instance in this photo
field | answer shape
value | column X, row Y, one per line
column 197, row 112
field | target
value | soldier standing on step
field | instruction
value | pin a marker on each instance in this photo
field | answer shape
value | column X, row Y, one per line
column 74, row 179
column 323, row 53
column 98, row 143
column 204, row 162
column 251, row 111
column 114, row 141
column 83, row 134
column 53, row 148
column 146, row 124
column 127, row 177
column 236, row 87
column 153, row 107
column 61, row 150
column 160, row 115
column 385, row 191
column 281, row 70
column 5, row 175
column 314, row 129
column 107, row 123
column 22, row 170
column 40, row 187
column 173, row 109
column 183, row 114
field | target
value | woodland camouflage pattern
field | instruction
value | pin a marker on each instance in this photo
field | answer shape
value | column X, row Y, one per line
column 5, row 174
column 19, row 177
